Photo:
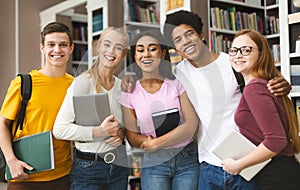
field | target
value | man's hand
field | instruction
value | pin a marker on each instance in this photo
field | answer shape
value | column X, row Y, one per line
column 128, row 83
column 279, row 86
column 16, row 168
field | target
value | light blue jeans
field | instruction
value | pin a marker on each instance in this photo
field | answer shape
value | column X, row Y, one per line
column 179, row 172
column 98, row 175
column 215, row 178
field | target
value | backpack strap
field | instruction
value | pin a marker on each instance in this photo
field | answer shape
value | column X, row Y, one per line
column 240, row 79
column 26, row 89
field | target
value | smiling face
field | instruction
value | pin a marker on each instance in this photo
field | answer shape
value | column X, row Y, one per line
column 148, row 55
column 244, row 63
column 188, row 43
column 111, row 49
column 56, row 49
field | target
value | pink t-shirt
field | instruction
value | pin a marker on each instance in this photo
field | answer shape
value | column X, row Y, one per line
column 145, row 104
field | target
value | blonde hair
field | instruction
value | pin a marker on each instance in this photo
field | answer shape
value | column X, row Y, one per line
column 265, row 68
column 93, row 71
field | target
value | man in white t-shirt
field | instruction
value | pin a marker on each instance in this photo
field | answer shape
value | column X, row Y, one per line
column 212, row 87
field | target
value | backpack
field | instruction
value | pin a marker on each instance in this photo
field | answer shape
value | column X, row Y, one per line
column 240, row 80
column 26, row 89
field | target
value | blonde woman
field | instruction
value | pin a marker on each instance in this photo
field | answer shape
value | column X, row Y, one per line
column 91, row 169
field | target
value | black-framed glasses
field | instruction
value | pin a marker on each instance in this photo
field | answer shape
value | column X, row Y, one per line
column 244, row 50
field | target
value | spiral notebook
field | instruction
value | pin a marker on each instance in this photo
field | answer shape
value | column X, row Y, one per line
column 236, row 146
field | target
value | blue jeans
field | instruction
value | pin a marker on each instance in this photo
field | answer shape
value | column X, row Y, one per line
column 215, row 178
column 180, row 172
column 98, row 175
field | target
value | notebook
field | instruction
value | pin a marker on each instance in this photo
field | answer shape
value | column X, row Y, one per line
column 91, row 109
column 166, row 120
column 235, row 146
column 36, row 150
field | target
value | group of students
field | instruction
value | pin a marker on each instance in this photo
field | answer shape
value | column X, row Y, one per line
column 203, row 87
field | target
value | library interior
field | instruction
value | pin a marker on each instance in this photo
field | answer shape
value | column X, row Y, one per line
column 277, row 20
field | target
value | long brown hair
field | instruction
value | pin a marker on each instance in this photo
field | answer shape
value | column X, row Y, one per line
column 94, row 70
column 265, row 68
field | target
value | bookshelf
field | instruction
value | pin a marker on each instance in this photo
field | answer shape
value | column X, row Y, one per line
column 141, row 15
column 74, row 15
column 100, row 15
column 290, row 27
column 79, row 58
column 228, row 17
column 170, row 6
column 289, row 32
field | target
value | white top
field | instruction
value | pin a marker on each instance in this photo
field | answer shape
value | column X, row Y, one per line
column 64, row 126
column 213, row 91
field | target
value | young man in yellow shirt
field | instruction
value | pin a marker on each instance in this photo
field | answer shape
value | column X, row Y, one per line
column 49, row 86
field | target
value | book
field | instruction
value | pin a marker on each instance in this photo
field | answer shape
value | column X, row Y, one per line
column 298, row 110
column 165, row 121
column 36, row 150
column 91, row 109
column 236, row 146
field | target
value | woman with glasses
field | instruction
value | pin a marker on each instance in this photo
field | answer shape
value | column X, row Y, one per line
column 268, row 121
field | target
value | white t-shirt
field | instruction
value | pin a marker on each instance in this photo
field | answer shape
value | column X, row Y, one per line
column 214, row 93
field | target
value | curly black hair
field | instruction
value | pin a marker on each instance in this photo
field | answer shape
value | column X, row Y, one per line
column 181, row 17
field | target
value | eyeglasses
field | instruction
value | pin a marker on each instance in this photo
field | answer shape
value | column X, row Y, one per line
column 244, row 50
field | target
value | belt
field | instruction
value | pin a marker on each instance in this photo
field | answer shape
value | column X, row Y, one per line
column 109, row 157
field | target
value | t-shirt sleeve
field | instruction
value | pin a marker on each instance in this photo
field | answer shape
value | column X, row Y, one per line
column 263, row 107
column 180, row 88
column 125, row 100
column 12, row 101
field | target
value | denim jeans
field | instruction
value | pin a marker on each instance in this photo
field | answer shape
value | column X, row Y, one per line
column 215, row 178
column 180, row 172
column 98, row 175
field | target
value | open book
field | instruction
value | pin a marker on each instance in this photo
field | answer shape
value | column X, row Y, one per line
column 236, row 146
column 166, row 120
column 36, row 150
column 91, row 109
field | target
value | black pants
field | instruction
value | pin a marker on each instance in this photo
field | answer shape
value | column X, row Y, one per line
column 282, row 173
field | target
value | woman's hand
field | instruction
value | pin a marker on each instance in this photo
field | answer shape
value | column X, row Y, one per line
column 231, row 166
column 116, row 140
column 149, row 144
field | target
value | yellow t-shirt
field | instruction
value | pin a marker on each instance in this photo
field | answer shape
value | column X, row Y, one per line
column 46, row 99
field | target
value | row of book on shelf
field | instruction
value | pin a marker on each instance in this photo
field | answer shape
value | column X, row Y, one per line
column 230, row 19
column 173, row 4
column 97, row 22
column 143, row 12
column 295, row 78
column 79, row 31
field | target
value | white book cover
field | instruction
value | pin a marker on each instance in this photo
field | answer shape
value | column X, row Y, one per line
column 236, row 146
